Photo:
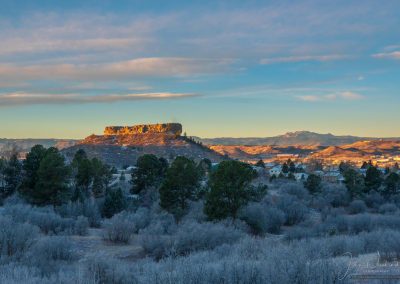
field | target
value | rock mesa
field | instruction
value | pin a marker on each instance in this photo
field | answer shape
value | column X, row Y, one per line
column 166, row 128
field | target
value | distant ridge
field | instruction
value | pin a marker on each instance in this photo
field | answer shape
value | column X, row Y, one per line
column 297, row 138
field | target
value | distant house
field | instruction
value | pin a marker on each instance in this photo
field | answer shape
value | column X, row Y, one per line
column 319, row 173
column 333, row 177
column 275, row 171
column 300, row 176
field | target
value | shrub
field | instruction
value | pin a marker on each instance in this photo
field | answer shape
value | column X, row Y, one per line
column 373, row 199
column 89, row 209
column 203, row 236
column 388, row 208
column 81, row 226
column 15, row 238
column 294, row 210
column 336, row 195
column 263, row 219
column 118, row 229
column 357, row 207
column 295, row 189
column 100, row 268
column 45, row 218
column 47, row 251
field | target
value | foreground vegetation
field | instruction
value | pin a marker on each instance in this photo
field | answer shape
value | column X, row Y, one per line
column 186, row 222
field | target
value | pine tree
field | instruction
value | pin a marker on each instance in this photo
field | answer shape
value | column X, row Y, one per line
column 114, row 203
column 354, row 182
column 179, row 186
column 392, row 184
column 373, row 178
column 149, row 171
column 12, row 175
column 230, row 189
column 285, row 168
column 313, row 184
column 260, row 164
column 52, row 180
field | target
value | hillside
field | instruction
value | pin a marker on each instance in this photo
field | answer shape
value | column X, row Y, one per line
column 24, row 145
column 122, row 146
column 304, row 138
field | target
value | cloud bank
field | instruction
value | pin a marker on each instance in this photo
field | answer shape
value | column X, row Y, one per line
column 25, row 99
column 347, row 96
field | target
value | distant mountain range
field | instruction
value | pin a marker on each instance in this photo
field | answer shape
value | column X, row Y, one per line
column 299, row 138
column 24, row 145
column 124, row 149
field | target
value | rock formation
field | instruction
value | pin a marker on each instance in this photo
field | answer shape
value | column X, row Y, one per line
column 166, row 128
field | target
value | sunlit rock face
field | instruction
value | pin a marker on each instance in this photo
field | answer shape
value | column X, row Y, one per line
column 167, row 128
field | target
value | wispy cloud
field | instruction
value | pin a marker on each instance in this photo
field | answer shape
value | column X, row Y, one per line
column 154, row 66
column 348, row 96
column 387, row 55
column 291, row 59
column 21, row 99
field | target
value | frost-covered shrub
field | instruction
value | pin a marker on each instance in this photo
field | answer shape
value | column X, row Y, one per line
column 357, row 207
column 388, row 208
column 360, row 223
column 100, row 268
column 193, row 236
column 81, row 226
column 47, row 251
column 295, row 211
column 16, row 238
column 336, row 195
column 248, row 261
column 45, row 218
column 374, row 199
column 294, row 189
column 89, row 209
column 263, row 219
column 118, row 229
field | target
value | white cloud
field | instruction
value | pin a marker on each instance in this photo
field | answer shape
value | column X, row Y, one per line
column 22, row 98
column 387, row 55
column 290, row 59
column 154, row 66
column 348, row 96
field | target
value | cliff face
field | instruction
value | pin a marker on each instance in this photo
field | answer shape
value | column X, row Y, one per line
column 166, row 128
column 122, row 145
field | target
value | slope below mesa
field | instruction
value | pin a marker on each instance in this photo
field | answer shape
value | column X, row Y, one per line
column 122, row 145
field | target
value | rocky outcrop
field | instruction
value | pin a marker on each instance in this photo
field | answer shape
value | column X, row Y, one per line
column 167, row 128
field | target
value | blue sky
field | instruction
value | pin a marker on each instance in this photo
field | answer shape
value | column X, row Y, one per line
column 221, row 68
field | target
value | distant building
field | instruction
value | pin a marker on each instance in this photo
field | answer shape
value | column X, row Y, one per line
column 300, row 176
column 275, row 171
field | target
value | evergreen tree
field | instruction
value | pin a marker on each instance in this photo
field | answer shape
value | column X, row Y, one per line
column 12, row 175
column 354, row 182
column 292, row 167
column 260, row 164
column 285, row 168
column 365, row 165
column 230, row 189
column 392, row 184
column 373, row 179
column 102, row 175
column 114, row 203
column 313, row 184
column 3, row 164
column 52, row 180
column 343, row 167
column 31, row 166
column 179, row 186
column 149, row 172
column 83, row 171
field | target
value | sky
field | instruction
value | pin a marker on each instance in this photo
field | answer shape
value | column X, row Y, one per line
column 221, row 68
